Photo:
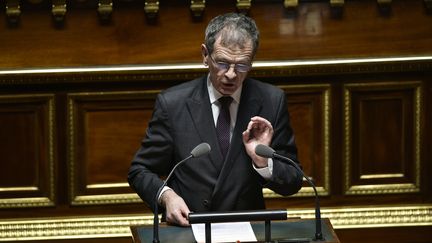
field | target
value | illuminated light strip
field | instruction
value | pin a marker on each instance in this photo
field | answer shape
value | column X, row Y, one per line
column 200, row 66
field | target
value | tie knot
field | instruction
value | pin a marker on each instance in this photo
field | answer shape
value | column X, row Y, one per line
column 225, row 101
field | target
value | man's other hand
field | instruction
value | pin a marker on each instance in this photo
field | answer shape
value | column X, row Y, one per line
column 258, row 131
column 176, row 209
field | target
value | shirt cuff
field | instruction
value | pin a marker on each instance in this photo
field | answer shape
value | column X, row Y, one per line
column 265, row 172
column 166, row 188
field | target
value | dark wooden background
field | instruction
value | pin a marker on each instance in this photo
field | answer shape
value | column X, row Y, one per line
column 363, row 125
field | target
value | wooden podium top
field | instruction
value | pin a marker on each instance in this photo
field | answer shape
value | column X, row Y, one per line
column 291, row 230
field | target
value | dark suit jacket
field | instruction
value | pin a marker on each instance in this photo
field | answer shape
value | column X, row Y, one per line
column 182, row 119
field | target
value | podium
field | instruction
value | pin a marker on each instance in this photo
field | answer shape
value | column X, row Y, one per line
column 290, row 230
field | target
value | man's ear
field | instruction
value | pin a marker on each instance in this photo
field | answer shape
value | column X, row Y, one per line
column 204, row 54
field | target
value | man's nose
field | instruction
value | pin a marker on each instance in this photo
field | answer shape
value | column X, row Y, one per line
column 231, row 73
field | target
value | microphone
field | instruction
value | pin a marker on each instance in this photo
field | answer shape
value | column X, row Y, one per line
column 267, row 152
column 198, row 151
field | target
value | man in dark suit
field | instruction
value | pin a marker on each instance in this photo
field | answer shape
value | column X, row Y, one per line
column 231, row 177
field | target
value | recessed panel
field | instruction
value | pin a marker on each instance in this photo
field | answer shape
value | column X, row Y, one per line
column 382, row 137
column 105, row 132
column 309, row 107
column 111, row 138
column 27, row 150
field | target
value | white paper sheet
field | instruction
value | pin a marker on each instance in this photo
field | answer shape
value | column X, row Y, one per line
column 225, row 232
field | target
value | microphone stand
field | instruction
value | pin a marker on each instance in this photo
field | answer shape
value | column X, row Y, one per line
column 156, row 216
column 156, row 213
column 318, row 230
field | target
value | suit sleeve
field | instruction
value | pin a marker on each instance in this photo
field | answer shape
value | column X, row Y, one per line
column 153, row 157
column 285, row 180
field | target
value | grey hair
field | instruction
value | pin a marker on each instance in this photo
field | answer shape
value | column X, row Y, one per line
column 234, row 29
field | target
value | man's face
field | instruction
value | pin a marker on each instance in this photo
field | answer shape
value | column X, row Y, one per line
column 228, row 66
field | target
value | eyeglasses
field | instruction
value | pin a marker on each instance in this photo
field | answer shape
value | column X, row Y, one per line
column 238, row 67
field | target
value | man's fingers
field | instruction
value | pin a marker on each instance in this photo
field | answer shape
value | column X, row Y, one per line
column 176, row 209
column 178, row 218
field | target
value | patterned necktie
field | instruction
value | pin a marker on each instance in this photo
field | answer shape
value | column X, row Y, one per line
column 223, row 124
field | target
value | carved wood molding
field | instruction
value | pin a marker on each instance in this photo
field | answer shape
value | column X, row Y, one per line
column 244, row 6
column 13, row 11
column 291, row 4
column 59, row 11
column 336, row 7
column 151, row 8
column 105, row 9
column 197, row 8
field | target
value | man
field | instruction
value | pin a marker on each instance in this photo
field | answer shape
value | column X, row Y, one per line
column 231, row 176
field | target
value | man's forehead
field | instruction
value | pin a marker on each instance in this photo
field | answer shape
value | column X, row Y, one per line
column 232, row 45
column 228, row 38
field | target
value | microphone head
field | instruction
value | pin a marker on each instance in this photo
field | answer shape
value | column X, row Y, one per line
column 200, row 150
column 264, row 151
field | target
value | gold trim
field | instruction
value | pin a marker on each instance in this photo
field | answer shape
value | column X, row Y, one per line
column 337, row 3
column 284, row 68
column 371, row 216
column 71, row 227
column 22, row 188
column 98, row 226
column 76, row 199
column 106, row 199
column 27, row 202
column 108, row 185
column 244, row 5
column 387, row 188
column 151, row 8
column 324, row 190
column 35, row 201
column 58, row 10
column 290, row 4
column 197, row 8
column 378, row 176
column 13, row 11
column 105, row 9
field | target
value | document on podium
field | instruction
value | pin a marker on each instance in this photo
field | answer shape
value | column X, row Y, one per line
column 225, row 232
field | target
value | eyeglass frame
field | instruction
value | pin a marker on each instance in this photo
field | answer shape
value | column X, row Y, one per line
column 224, row 66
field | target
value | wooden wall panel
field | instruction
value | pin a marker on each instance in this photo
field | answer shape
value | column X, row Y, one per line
column 105, row 130
column 27, row 150
column 309, row 107
column 382, row 136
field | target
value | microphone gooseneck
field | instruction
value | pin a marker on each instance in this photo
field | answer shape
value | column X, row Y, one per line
column 267, row 152
column 198, row 151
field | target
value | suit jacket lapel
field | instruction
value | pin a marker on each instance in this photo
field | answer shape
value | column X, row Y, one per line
column 250, row 105
column 200, row 110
